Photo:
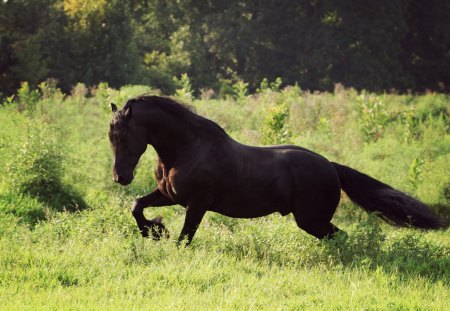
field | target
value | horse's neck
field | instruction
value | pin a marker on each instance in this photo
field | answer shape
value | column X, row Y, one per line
column 172, row 141
column 174, row 137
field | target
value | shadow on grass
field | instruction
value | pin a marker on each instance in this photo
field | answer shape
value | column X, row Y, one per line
column 407, row 253
column 32, row 208
column 443, row 210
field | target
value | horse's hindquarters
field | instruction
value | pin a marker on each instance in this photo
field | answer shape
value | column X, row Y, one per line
column 317, row 186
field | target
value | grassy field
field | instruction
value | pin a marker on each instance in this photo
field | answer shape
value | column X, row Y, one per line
column 68, row 240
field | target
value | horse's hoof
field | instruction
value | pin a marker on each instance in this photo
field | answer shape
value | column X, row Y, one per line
column 158, row 229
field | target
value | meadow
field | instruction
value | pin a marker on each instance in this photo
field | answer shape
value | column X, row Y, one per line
column 69, row 241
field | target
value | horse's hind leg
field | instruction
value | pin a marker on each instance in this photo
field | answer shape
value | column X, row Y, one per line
column 156, row 198
column 318, row 228
column 313, row 213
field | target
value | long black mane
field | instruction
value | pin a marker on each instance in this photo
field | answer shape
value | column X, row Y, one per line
column 180, row 111
column 177, row 108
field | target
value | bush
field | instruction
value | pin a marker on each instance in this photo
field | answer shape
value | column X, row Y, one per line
column 184, row 88
column 35, row 169
column 240, row 91
column 275, row 129
column 373, row 116
column 27, row 98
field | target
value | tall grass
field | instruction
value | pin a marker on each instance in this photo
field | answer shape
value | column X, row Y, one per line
column 68, row 240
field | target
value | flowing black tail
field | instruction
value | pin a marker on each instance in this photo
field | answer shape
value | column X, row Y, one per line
column 390, row 204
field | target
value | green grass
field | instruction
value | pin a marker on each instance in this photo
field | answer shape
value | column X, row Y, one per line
column 93, row 260
column 71, row 242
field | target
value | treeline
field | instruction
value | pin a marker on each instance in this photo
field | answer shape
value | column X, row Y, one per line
column 374, row 45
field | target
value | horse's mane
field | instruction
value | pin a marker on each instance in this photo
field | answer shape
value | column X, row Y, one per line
column 179, row 110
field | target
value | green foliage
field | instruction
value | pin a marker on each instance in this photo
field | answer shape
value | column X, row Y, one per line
column 415, row 171
column 373, row 117
column 411, row 124
column 35, row 168
column 24, row 208
column 275, row 129
column 79, row 91
column 184, row 90
column 48, row 89
column 8, row 100
column 27, row 98
column 226, row 88
column 126, row 93
column 314, row 43
column 102, row 94
column 272, row 86
column 240, row 91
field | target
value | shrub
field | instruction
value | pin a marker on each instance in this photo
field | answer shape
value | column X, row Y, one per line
column 272, row 86
column 240, row 91
column 79, row 91
column 275, row 129
column 27, row 98
column 35, row 168
column 184, row 89
column 373, row 117
column 50, row 91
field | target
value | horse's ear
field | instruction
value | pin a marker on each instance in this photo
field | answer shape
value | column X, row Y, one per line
column 113, row 108
column 127, row 113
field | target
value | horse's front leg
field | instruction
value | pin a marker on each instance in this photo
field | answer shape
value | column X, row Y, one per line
column 156, row 198
column 194, row 215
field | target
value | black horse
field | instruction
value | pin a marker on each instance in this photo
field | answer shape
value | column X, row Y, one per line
column 203, row 169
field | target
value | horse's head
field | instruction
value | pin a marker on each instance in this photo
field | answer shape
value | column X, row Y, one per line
column 128, row 142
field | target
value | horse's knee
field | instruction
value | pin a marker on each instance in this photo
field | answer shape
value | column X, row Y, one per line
column 136, row 208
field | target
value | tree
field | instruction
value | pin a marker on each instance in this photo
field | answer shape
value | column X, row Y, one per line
column 426, row 47
column 22, row 24
column 401, row 44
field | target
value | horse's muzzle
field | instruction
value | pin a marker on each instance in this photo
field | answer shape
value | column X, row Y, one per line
column 122, row 179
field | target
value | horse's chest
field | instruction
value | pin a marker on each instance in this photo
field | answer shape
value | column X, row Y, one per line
column 170, row 183
column 166, row 184
column 185, row 184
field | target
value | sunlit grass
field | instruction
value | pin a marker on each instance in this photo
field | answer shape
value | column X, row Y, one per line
column 79, row 248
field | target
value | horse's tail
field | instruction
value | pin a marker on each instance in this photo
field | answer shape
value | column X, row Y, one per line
column 390, row 204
